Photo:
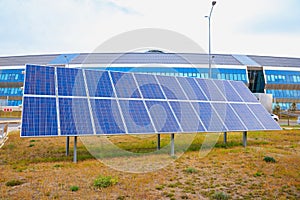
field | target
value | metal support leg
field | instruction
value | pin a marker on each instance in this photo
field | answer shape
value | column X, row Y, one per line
column 67, row 145
column 158, row 141
column 245, row 138
column 172, row 145
column 225, row 137
column 75, row 150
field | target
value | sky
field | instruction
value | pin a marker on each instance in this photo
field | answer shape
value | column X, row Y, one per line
column 251, row 27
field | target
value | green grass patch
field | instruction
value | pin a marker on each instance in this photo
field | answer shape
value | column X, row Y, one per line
column 74, row 188
column 13, row 182
column 191, row 170
column 269, row 159
column 105, row 181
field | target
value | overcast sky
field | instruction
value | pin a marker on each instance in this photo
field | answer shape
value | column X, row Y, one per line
column 252, row 27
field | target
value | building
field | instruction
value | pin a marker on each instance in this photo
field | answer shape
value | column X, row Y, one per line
column 278, row 76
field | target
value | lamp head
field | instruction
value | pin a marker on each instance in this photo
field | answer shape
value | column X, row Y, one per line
column 213, row 3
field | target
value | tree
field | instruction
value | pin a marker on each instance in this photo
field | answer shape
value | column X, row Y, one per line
column 277, row 109
column 293, row 107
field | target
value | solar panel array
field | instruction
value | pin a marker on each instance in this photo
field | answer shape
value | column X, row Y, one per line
column 71, row 102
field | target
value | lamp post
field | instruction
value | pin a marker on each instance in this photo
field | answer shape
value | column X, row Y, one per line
column 213, row 3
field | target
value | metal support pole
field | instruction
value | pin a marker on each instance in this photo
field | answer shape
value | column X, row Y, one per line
column 158, row 141
column 209, row 47
column 245, row 138
column 75, row 150
column 225, row 137
column 67, row 145
column 172, row 145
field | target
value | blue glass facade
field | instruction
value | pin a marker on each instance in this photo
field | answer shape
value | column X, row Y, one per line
column 217, row 73
column 288, row 92
column 282, row 77
column 11, row 81
column 11, row 75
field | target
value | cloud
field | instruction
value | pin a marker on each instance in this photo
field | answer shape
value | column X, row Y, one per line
column 280, row 17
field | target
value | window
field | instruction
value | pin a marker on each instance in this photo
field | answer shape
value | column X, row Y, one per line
column 272, row 78
column 235, row 77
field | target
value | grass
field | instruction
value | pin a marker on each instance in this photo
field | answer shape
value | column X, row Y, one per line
column 44, row 171
column 105, row 181
column 220, row 196
column 74, row 188
column 269, row 159
column 13, row 182
column 191, row 170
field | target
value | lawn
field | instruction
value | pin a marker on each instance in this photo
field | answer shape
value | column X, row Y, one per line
column 37, row 168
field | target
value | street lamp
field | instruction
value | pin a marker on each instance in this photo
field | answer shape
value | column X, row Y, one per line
column 213, row 3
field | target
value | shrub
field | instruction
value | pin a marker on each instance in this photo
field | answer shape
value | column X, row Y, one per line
column 159, row 187
column 57, row 165
column 191, row 170
column 74, row 188
column 258, row 174
column 220, row 196
column 269, row 159
column 12, row 183
column 105, row 181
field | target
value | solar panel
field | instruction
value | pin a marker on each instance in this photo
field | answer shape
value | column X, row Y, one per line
column 70, row 82
column 231, row 120
column 149, row 87
column 211, row 121
column 75, row 117
column 171, row 87
column 243, row 91
column 75, row 102
column 107, row 117
column 136, row 116
column 41, row 80
column 98, row 84
column 40, row 117
column 191, row 88
column 125, row 85
column 210, row 89
column 228, row 91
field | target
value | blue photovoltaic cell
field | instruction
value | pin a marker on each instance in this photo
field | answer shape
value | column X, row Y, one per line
column 247, row 117
column 125, row 85
column 39, row 117
column 187, row 117
column 263, row 116
column 209, row 118
column 171, row 87
column 243, row 91
column 70, row 82
column 107, row 117
column 75, row 117
column 228, row 116
column 136, row 116
column 162, row 116
column 149, row 87
column 98, row 83
column 210, row 89
column 228, row 91
column 39, row 80
column 191, row 88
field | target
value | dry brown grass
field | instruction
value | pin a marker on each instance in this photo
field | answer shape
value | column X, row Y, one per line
column 46, row 173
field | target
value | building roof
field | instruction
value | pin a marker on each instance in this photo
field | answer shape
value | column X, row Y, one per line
column 149, row 58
